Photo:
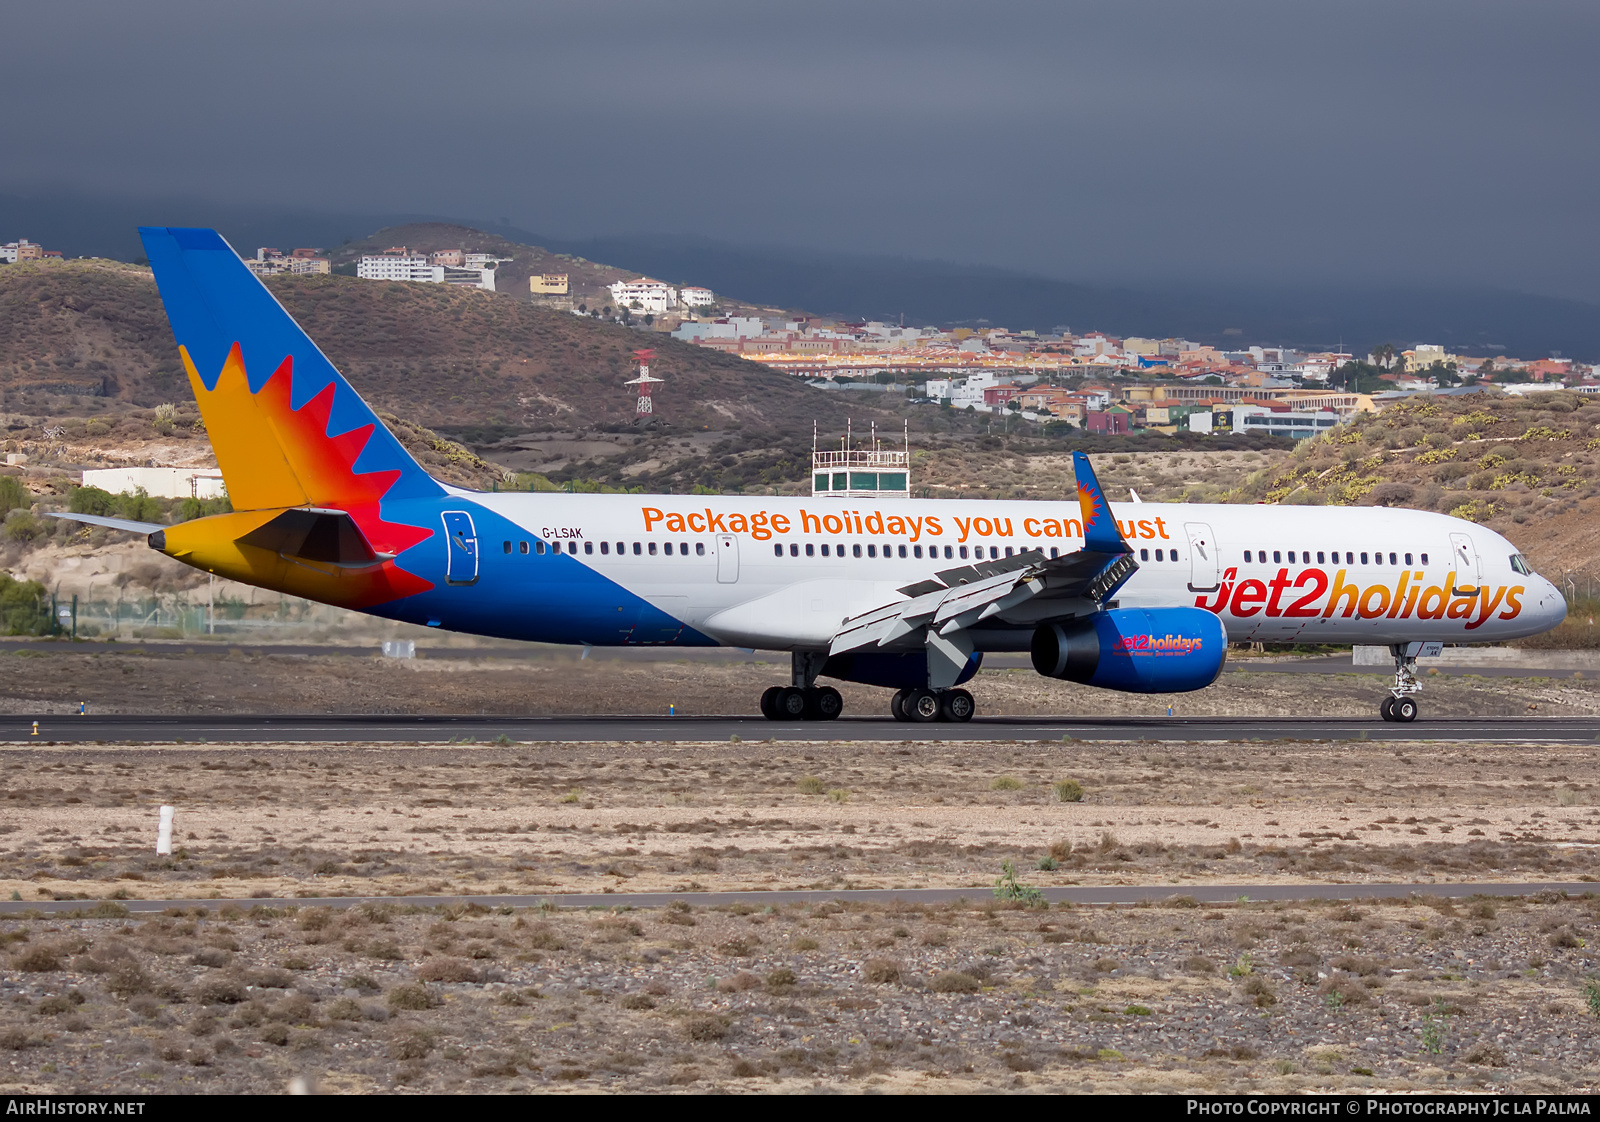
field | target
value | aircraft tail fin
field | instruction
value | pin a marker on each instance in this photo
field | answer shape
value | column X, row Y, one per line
column 1101, row 533
column 287, row 429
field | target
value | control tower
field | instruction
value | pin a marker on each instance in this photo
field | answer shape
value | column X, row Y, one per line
column 861, row 473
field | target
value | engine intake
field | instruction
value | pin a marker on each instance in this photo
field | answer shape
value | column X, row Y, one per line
column 1135, row 650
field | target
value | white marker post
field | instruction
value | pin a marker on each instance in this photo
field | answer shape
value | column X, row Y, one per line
column 164, row 833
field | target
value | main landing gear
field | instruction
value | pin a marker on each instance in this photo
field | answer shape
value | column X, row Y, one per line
column 1400, row 705
column 804, row 700
column 796, row 703
column 924, row 705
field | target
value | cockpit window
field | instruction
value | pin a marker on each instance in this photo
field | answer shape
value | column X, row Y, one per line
column 1518, row 565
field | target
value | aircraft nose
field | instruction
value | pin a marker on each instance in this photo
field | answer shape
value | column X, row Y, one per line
column 1550, row 606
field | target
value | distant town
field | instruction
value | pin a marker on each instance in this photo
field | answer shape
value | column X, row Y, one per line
column 1093, row 381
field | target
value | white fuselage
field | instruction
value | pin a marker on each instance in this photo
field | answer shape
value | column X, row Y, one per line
column 783, row 573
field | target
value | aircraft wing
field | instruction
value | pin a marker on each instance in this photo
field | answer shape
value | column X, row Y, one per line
column 1022, row 590
column 1031, row 588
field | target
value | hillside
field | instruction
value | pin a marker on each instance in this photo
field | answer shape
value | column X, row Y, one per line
column 84, row 345
column 441, row 356
column 1527, row 467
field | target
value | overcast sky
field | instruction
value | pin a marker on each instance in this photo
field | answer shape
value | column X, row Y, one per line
column 1450, row 142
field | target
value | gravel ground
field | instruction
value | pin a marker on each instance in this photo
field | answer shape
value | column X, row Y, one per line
column 1483, row 995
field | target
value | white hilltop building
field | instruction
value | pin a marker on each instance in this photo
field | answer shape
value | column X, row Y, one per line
column 644, row 296
column 476, row 272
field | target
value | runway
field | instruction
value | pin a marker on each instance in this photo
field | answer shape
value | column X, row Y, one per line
column 367, row 729
column 1088, row 895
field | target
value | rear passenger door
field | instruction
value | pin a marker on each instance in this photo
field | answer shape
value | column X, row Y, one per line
column 461, row 548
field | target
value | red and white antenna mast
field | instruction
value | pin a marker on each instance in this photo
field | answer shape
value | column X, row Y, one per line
column 644, row 381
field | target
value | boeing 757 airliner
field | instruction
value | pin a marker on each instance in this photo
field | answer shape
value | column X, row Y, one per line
column 907, row 595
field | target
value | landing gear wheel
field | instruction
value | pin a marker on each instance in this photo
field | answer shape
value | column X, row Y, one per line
column 1404, row 709
column 921, row 706
column 1386, row 709
column 790, row 704
column 897, row 705
column 956, row 705
column 823, row 704
column 769, row 702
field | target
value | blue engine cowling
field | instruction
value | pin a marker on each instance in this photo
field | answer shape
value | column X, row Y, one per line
column 1136, row 650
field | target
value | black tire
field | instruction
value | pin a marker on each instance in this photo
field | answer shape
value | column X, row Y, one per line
column 897, row 705
column 957, row 706
column 769, row 702
column 827, row 703
column 1386, row 709
column 921, row 706
column 1404, row 710
column 790, row 704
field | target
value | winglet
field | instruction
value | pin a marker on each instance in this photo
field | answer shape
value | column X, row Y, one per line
column 1100, row 530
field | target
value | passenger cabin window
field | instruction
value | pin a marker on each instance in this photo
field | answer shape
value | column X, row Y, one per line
column 638, row 549
column 1144, row 555
column 605, row 547
column 699, row 549
column 902, row 552
column 794, row 551
column 588, row 547
column 538, row 546
column 1408, row 559
column 508, row 547
column 1363, row 558
column 811, row 550
column 1424, row 558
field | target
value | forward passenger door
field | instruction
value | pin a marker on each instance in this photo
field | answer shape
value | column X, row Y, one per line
column 1464, row 556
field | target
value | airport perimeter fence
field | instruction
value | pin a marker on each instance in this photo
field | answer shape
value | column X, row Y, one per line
column 1578, row 585
column 195, row 615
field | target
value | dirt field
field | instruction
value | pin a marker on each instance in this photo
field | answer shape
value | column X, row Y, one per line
column 215, row 678
column 989, row 995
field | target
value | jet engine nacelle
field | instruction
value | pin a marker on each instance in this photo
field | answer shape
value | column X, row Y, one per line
column 1136, row 650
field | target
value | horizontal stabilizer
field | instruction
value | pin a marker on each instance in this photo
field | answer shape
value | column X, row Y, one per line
column 328, row 536
column 127, row 524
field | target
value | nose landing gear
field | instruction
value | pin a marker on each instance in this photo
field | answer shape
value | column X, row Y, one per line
column 1400, row 706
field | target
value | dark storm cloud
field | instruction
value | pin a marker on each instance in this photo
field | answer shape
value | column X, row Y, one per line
column 1396, row 142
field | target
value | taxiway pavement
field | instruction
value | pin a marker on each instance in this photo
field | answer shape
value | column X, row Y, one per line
column 370, row 729
column 1077, row 894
